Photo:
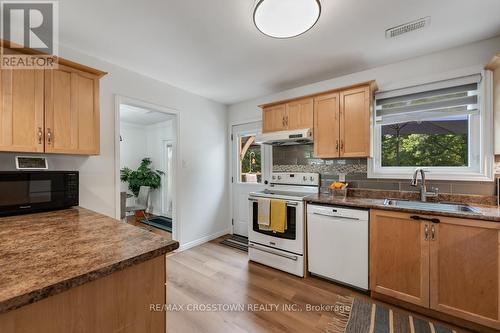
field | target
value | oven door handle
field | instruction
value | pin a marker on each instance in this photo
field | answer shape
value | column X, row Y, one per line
column 337, row 216
column 288, row 203
column 294, row 258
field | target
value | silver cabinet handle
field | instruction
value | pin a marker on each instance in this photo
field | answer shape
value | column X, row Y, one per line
column 433, row 232
column 291, row 257
column 336, row 216
column 40, row 134
column 426, row 232
column 49, row 136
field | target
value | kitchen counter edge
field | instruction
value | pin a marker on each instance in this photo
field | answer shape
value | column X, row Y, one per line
column 487, row 213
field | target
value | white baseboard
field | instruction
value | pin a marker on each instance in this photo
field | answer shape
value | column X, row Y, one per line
column 203, row 240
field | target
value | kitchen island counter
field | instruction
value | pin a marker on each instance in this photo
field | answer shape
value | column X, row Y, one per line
column 47, row 254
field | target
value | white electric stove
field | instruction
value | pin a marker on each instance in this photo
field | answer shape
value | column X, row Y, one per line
column 284, row 251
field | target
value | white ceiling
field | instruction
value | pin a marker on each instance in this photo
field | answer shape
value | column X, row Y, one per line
column 211, row 47
column 143, row 117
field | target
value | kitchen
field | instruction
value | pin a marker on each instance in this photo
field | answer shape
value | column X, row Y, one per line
column 356, row 186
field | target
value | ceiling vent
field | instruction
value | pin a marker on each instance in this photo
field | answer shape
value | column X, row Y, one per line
column 407, row 27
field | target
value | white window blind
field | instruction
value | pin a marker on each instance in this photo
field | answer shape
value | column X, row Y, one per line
column 430, row 101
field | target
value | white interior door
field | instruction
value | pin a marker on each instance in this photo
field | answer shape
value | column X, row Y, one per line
column 251, row 164
column 168, row 178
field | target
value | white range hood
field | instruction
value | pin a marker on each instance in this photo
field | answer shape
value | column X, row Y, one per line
column 295, row 137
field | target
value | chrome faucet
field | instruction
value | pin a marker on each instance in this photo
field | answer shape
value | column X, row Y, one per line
column 423, row 187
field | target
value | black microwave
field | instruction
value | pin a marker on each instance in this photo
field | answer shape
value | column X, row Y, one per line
column 23, row 192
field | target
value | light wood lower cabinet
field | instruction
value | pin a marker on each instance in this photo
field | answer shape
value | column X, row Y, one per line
column 71, row 112
column 399, row 265
column 452, row 266
column 21, row 110
column 120, row 302
column 465, row 270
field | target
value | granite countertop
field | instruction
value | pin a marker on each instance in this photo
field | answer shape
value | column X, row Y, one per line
column 487, row 213
column 47, row 253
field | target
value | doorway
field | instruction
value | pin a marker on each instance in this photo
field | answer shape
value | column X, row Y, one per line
column 146, row 158
column 251, row 166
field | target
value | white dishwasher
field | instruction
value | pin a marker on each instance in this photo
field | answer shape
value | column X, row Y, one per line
column 337, row 243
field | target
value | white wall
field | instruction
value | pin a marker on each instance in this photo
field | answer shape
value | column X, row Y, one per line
column 202, row 202
column 388, row 77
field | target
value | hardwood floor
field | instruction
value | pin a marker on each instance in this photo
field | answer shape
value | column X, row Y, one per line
column 215, row 274
column 165, row 234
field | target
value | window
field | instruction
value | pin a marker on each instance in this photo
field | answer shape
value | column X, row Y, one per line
column 440, row 126
column 250, row 160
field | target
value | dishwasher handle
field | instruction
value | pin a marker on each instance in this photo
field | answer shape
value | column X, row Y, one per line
column 337, row 216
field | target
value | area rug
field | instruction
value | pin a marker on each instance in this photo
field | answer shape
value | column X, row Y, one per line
column 361, row 316
column 238, row 242
column 160, row 222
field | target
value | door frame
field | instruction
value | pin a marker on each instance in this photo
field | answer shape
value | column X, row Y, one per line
column 164, row 145
column 266, row 169
column 119, row 100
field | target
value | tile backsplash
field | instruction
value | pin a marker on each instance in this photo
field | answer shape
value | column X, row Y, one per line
column 300, row 158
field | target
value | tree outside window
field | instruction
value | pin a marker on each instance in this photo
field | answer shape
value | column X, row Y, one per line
column 250, row 160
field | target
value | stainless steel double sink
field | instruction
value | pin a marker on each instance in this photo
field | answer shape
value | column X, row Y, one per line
column 431, row 206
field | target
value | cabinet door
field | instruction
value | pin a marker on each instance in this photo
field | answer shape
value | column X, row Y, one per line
column 21, row 110
column 326, row 126
column 399, row 257
column 274, row 118
column 71, row 112
column 300, row 114
column 465, row 272
column 355, row 122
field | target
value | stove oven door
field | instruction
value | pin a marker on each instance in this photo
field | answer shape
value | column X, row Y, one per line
column 292, row 240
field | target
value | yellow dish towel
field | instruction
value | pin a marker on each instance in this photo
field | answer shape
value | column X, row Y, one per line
column 278, row 216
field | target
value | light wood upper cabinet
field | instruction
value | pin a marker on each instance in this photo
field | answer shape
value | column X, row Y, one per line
column 340, row 120
column 355, row 122
column 274, row 118
column 52, row 111
column 288, row 116
column 300, row 114
column 399, row 257
column 451, row 265
column 71, row 112
column 21, row 110
column 326, row 126
column 465, row 270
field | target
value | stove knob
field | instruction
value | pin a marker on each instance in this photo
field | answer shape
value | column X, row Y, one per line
column 279, row 177
column 304, row 178
column 274, row 177
column 311, row 178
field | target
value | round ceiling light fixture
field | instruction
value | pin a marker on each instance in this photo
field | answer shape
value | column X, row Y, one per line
column 286, row 18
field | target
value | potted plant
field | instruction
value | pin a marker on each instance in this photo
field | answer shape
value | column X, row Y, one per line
column 145, row 175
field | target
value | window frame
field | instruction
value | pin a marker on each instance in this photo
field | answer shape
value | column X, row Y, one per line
column 481, row 158
column 251, row 128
